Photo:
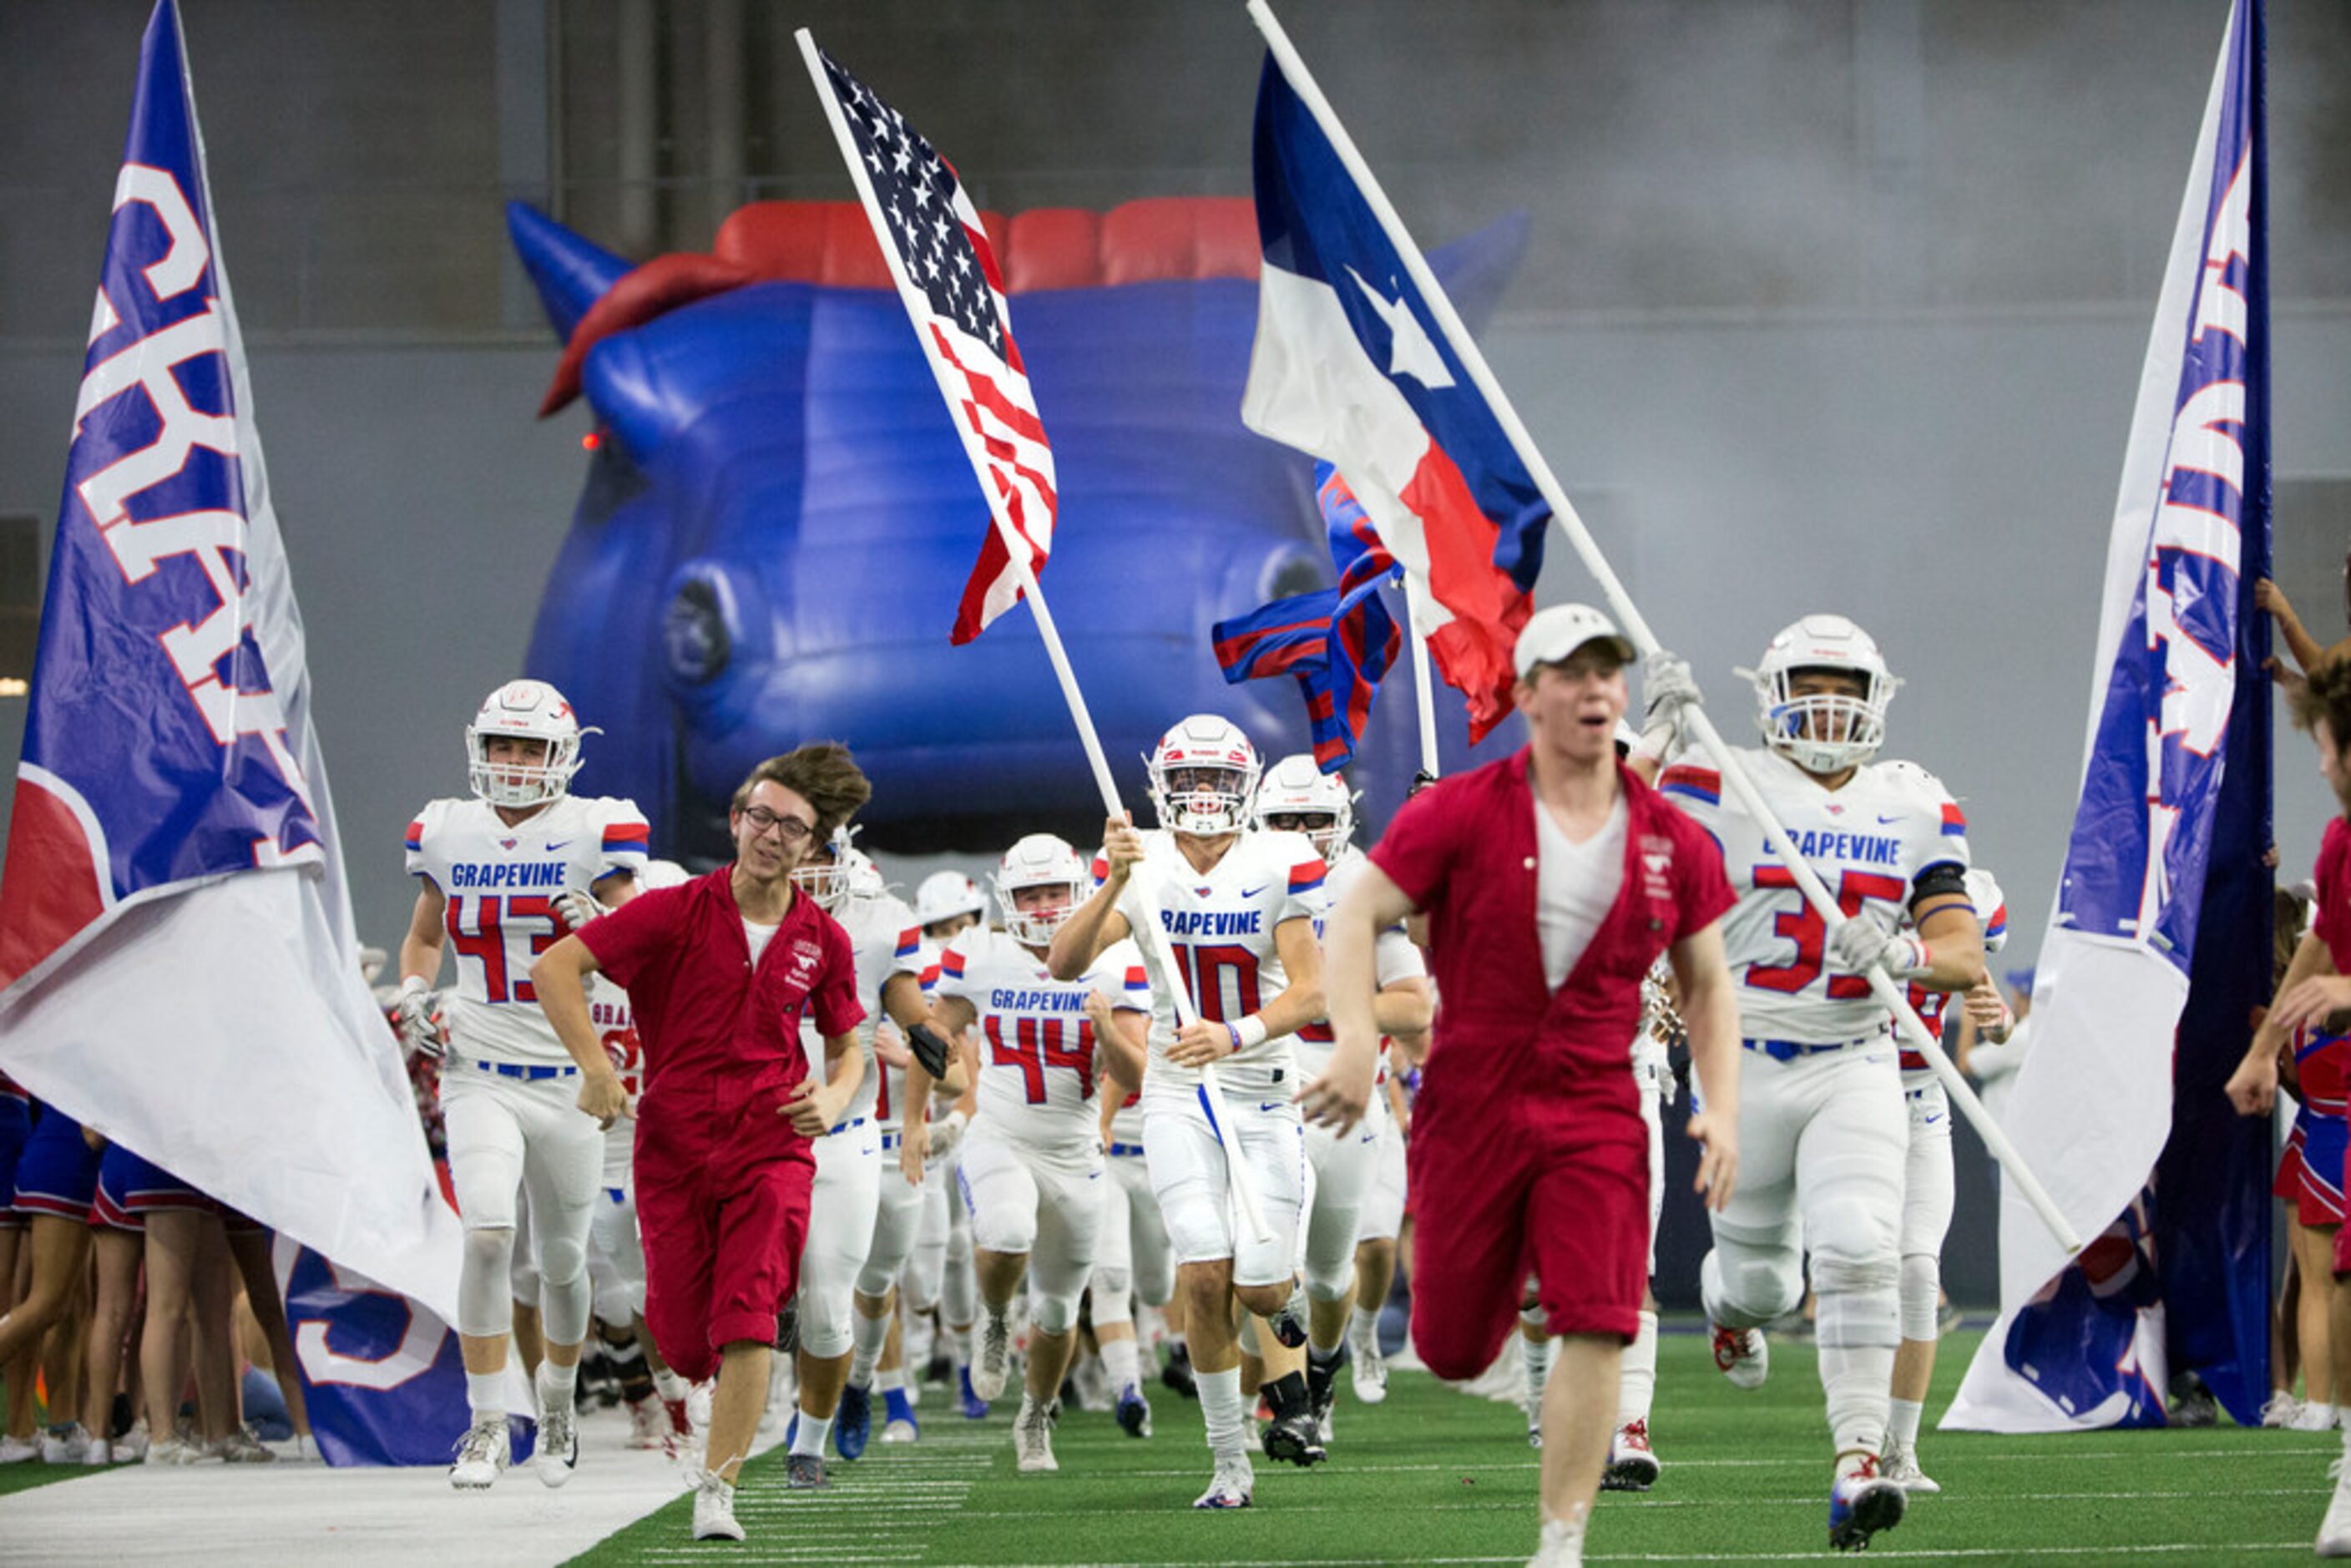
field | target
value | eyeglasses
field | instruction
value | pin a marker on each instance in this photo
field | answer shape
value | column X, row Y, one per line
column 793, row 829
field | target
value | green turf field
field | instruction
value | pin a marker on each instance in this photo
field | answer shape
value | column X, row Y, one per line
column 1434, row 1475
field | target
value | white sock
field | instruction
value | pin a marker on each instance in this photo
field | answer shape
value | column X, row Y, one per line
column 1636, row 1378
column 1220, row 1406
column 1364, row 1326
column 1855, row 1377
column 1538, row 1370
column 1119, row 1361
column 557, row 1385
column 1902, row 1421
column 670, row 1386
column 487, row 1393
column 808, row 1436
column 868, row 1335
column 890, row 1380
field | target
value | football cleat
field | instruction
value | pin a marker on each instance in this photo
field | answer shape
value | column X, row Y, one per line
column 994, row 1363
column 1289, row 1325
column 1292, row 1439
column 1032, row 1437
column 714, row 1511
column 901, row 1429
column 1741, row 1355
column 1899, row 1464
column 1178, row 1373
column 2335, row 1529
column 1322, row 1390
column 558, row 1454
column 805, row 1472
column 1534, row 1426
column 852, row 1422
column 1133, row 1411
column 649, row 1424
column 1861, row 1503
column 974, row 1409
column 1631, row 1465
column 1231, row 1485
column 1367, row 1369
column 482, row 1453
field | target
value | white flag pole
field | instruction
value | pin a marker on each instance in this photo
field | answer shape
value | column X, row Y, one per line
column 1423, row 691
column 1140, row 917
column 1914, row 1033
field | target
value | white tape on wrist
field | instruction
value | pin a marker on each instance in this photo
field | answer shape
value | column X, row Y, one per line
column 1250, row 1032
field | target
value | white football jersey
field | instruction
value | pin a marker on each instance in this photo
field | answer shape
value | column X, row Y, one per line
column 1037, row 1075
column 1394, row 959
column 616, row 1028
column 500, row 883
column 1868, row 841
column 1220, row 925
column 886, row 941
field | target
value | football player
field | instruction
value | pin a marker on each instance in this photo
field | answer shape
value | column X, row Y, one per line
column 1131, row 1261
column 948, row 904
column 1032, row 1164
column 1296, row 796
column 1821, row 1120
column 1236, row 909
column 1927, row 1192
column 505, row 874
column 847, row 1196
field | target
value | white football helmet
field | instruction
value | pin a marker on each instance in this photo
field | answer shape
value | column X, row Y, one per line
column 944, row 894
column 1827, row 732
column 1203, row 774
column 833, row 871
column 1297, row 787
column 526, row 710
column 1040, row 859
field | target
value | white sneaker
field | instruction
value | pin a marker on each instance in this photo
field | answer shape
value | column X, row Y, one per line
column 174, row 1450
column 241, row 1448
column 1032, row 1437
column 2316, row 1416
column 1368, row 1369
column 714, row 1511
column 17, row 1450
column 1231, row 1486
column 2335, row 1529
column 98, row 1452
column 649, row 1426
column 482, row 1453
column 2281, row 1410
column 990, row 1367
column 558, row 1453
column 131, row 1446
column 901, row 1430
column 1562, row 1547
column 1631, row 1465
column 1899, row 1464
column 64, row 1445
column 1741, row 1355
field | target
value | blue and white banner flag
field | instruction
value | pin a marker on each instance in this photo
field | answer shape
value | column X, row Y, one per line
column 2167, row 842
column 178, row 963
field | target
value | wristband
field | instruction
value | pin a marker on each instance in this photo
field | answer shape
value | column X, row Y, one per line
column 1249, row 1031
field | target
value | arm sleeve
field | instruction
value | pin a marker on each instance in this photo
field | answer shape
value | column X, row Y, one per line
column 627, row 839
column 1305, row 896
column 950, row 981
column 1396, row 958
column 1938, row 832
column 421, row 863
column 1417, row 851
column 833, row 1005
column 1119, row 972
column 626, row 939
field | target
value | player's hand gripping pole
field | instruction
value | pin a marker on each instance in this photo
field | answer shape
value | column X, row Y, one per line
column 1143, row 922
column 1914, row 1033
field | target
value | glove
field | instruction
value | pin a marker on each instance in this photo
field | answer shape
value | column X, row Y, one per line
column 417, row 1012
column 576, row 906
column 1862, row 946
column 1666, row 687
column 946, row 1134
column 928, row 1048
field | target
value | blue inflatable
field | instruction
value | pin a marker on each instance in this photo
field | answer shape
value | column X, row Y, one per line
column 779, row 518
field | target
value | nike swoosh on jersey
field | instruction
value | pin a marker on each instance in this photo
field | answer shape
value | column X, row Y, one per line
column 1930, row 1121
column 1883, row 818
column 557, row 844
column 1272, row 1104
column 1253, row 892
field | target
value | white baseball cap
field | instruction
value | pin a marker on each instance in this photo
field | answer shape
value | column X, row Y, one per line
column 1552, row 634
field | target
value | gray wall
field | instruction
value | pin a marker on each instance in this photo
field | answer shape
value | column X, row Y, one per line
column 1828, row 307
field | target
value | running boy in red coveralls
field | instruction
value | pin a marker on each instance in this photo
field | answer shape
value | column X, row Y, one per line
column 719, row 972
column 1552, row 881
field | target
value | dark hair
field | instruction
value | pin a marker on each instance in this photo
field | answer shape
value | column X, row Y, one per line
column 823, row 773
column 2325, row 695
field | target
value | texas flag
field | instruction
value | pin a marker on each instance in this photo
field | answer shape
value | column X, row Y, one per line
column 1347, row 366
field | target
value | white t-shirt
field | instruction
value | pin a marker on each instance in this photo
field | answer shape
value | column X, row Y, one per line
column 1576, row 886
column 759, row 936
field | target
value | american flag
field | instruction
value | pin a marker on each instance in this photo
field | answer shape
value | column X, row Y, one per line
column 955, row 292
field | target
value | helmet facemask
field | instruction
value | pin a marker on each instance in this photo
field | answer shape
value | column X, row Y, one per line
column 828, row 874
column 524, row 710
column 1296, row 787
column 1824, row 732
column 1038, row 860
